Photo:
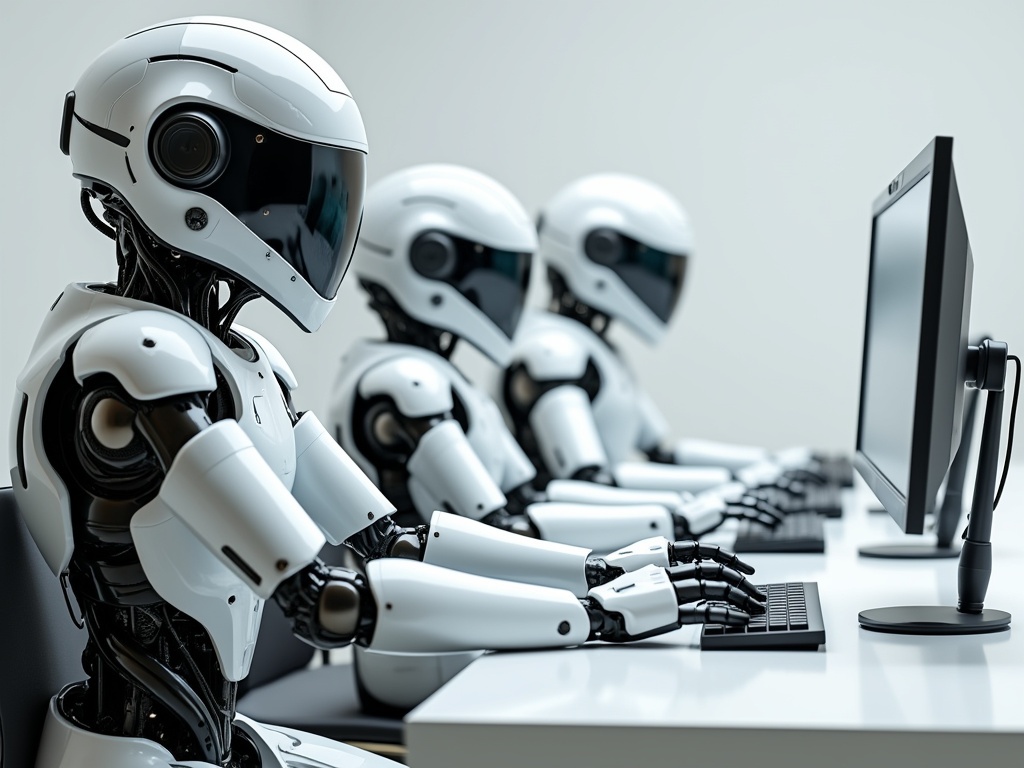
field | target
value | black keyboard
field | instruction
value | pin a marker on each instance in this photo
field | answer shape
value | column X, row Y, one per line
column 792, row 622
column 798, row 532
column 825, row 500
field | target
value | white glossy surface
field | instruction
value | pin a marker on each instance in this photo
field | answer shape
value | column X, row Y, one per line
column 865, row 696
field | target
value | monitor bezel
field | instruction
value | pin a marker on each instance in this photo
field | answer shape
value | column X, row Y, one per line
column 945, row 314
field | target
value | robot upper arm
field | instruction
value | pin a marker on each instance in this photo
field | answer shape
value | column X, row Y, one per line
column 277, row 362
column 545, row 362
column 153, row 355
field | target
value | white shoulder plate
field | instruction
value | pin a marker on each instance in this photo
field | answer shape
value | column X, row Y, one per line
column 152, row 354
column 417, row 388
column 277, row 362
column 551, row 355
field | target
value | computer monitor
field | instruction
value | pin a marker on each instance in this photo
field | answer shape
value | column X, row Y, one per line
column 916, row 365
column 915, row 337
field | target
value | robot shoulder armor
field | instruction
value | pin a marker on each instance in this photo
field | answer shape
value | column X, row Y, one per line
column 417, row 387
column 278, row 364
column 152, row 354
column 551, row 354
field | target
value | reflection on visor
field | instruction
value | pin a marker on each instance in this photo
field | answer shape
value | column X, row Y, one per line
column 494, row 281
column 304, row 200
column 656, row 277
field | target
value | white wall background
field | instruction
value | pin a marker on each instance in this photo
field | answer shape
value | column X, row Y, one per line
column 776, row 124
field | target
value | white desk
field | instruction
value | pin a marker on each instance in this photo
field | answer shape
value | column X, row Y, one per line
column 867, row 699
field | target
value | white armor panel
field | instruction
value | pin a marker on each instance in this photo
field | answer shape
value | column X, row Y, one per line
column 332, row 490
column 762, row 473
column 468, row 546
column 495, row 447
column 600, row 529
column 444, row 472
column 564, row 426
column 490, row 613
column 222, row 489
column 710, row 452
column 417, row 387
column 669, row 477
column 585, row 492
column 653, row 551
column 645, row 598
column 151, row 354
column 65, row 745
column 619, row 420
column 186, row 574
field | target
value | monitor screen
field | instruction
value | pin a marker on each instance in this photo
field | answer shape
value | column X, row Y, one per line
column 896, row 288
column 915, row 337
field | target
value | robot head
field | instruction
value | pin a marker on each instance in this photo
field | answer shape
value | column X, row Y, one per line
column 232, row 143
column 453, row 248
column 620, row 244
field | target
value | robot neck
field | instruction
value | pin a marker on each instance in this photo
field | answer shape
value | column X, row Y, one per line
column 404, row 329
column 567, row 304
column 152, row 272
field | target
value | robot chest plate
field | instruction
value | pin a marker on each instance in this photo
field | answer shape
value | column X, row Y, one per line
column 261, row 410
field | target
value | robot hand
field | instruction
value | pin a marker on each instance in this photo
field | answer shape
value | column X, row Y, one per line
column 710, row 510
column 653, row 600
column 660, row 551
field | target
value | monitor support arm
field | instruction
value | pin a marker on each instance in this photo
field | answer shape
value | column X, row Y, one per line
column 986, row 370
column 986, row 364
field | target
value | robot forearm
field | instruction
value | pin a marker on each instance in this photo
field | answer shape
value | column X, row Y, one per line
column 600, row 528
column 668, row 477
column 423, row 608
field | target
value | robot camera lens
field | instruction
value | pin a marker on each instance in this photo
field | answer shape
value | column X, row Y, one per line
column 190, row 150
column 433, row 255
column 604, row 246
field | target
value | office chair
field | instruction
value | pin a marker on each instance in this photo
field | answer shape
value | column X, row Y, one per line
column 280, row 689
column 40, row 646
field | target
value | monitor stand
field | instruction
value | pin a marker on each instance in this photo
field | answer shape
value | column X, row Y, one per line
column 948, row 514
column 988, row 361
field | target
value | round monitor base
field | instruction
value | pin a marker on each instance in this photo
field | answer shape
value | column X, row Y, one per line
column 909, row 551
column 933, row 620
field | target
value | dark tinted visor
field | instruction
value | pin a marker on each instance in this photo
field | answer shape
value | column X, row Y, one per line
column 304, row 200
column 656, row 277
column 493, row 280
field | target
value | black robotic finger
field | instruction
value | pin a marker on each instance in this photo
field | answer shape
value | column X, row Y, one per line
column 694, row 591
column 705, row 573
column 763, row 506
column 750, row 513
column 712, row 613
column 806, row 475
column 689, row 551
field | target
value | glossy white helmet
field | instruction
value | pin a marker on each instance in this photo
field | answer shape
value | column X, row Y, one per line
column 233, row 143
column 453, row 248
column 621, row 244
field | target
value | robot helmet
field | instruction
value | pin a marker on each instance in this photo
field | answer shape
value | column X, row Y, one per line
column 232, row 143
column 453, row 248
column 621, row 245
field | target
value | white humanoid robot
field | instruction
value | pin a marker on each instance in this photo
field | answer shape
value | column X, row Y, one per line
column 616, row 248
column 444, row 254
column 163, row 471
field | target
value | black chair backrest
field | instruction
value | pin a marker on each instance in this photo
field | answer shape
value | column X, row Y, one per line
column 40, row 646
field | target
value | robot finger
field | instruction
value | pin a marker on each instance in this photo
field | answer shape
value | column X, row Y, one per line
column 689, row 551
column 695, row 591
column 704, row 572
column 712, row 613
